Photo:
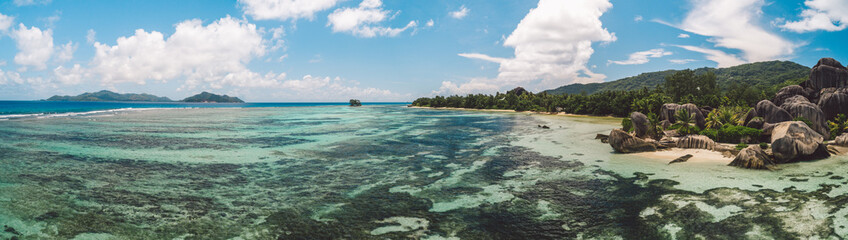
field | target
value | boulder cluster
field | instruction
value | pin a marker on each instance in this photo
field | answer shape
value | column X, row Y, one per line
column 821, row 98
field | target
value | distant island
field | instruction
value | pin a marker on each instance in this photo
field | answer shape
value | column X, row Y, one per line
column 109, row 96
column 207, row 97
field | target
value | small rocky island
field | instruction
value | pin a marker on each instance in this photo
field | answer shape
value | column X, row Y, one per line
column 795, row 125
column 109, row 96
column 355, row 103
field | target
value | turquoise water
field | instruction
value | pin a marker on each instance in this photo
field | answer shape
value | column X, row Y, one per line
column 384, row 172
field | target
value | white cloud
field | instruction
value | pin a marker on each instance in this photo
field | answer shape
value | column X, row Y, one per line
column 285, row 9
column 477, row 85
column 733, row 24
column 642, row 57
column 31, row 2
column 483, row 57
column 6, row 22
column 91, row 36
column 66, row 52
column 277, row 35
column 215, row 54
column 461, row 13
column 310, row 88
column 35, row 46
column 430, row 23
column 638, row 18
column 363, row 21
column 827, row 15
column 548, row 53
column 722, row 58
column 71, row 76
column 683, row 35
column 681, row 61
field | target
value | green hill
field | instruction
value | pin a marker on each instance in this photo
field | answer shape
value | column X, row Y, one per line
column 760, row 75
column 109, row 96
column 212, row 98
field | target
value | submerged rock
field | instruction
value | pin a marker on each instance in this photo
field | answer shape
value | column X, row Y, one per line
column 828, row 73
column 640, row 124
column 696, row 141
column 771, row 113
column 753, row 157
column 623, row 142
column 793, row 141
column 681, row 159
column 603, row 137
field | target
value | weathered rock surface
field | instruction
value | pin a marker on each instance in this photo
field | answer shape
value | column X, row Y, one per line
column 696, row 141
column 681, row 159
column 623, row 142
column 665, row 124
column 799, row 106
column 788, row 92
column 794, row 141
column 753, row 157
column 771, row 113
column 756, row 123
column 700, row 120
column 752, row 113
column 841, row 140
column 833, row 104
column 667, row 112
column 640, row 124
column 828, row 73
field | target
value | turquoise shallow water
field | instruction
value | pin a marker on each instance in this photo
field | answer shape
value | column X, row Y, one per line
column 383, row 172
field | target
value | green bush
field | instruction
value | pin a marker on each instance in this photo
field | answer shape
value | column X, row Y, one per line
column 729, row 133
column 687, row 130
column 741, row 146
column 764, row 146
column 803, row 119
column 626, row 124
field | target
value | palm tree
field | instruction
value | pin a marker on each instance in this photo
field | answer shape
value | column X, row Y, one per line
column 684, row 121
column 838, row 125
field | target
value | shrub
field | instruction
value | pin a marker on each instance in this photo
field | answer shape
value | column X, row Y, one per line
column 764, row 146
column 710, row 133
column 626, row 124
column 730, row 133
column 741, row 146
column 687, row 130
column 803, row 119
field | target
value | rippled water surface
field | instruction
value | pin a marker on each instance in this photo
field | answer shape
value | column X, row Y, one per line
column 384, row 172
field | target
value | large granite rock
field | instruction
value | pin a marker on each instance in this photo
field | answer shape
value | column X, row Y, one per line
column 794, row 141
column 623, row 142
column 696, row 141
column 799, row 106
column 756, row 123
column 640, row 124
column 771, row 113
column 828, row 73
column 668, row 110
column 833, row 104
column 700, row 120
column 788, row 92
column 753, row 157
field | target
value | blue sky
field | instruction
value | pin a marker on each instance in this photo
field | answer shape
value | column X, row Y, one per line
column 392, row 50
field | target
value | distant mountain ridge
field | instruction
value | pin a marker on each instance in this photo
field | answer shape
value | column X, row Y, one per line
column 759, row 74
column 109, row 96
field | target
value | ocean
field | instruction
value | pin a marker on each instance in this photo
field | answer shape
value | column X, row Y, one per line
column 380, row 171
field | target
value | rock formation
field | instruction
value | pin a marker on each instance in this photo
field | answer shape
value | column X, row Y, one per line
column 833, row 104
column 828, row 73
column 842, row 140
column 640, row 124
column 696, row 141
column 794, row 140
column 700, row 120
column 753, row 157
column 771, row 113
column 799, row 106
column 788, row 92
column 623, row 142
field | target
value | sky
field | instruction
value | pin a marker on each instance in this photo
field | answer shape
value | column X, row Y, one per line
column 392, row 50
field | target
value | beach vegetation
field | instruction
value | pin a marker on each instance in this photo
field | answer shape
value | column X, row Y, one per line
column 741, row 146
column 838, row 125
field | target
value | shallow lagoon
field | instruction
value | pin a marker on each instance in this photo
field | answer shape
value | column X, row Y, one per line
column 384, row 172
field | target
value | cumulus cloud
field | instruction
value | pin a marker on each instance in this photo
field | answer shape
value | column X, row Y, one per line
column 277, row 40
column 91, row 36
column 66, row 52
column 285, row 9
column 71, row 76
column 683, row 35
column 827, row 15
column 461, row 13
column 6, row 22
column 215, row 54
column 548, row 53
column 34, row 46
column 311, row 88
column 722, row 58
column 363, row 21
column 733, row 24
column 642, row 57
